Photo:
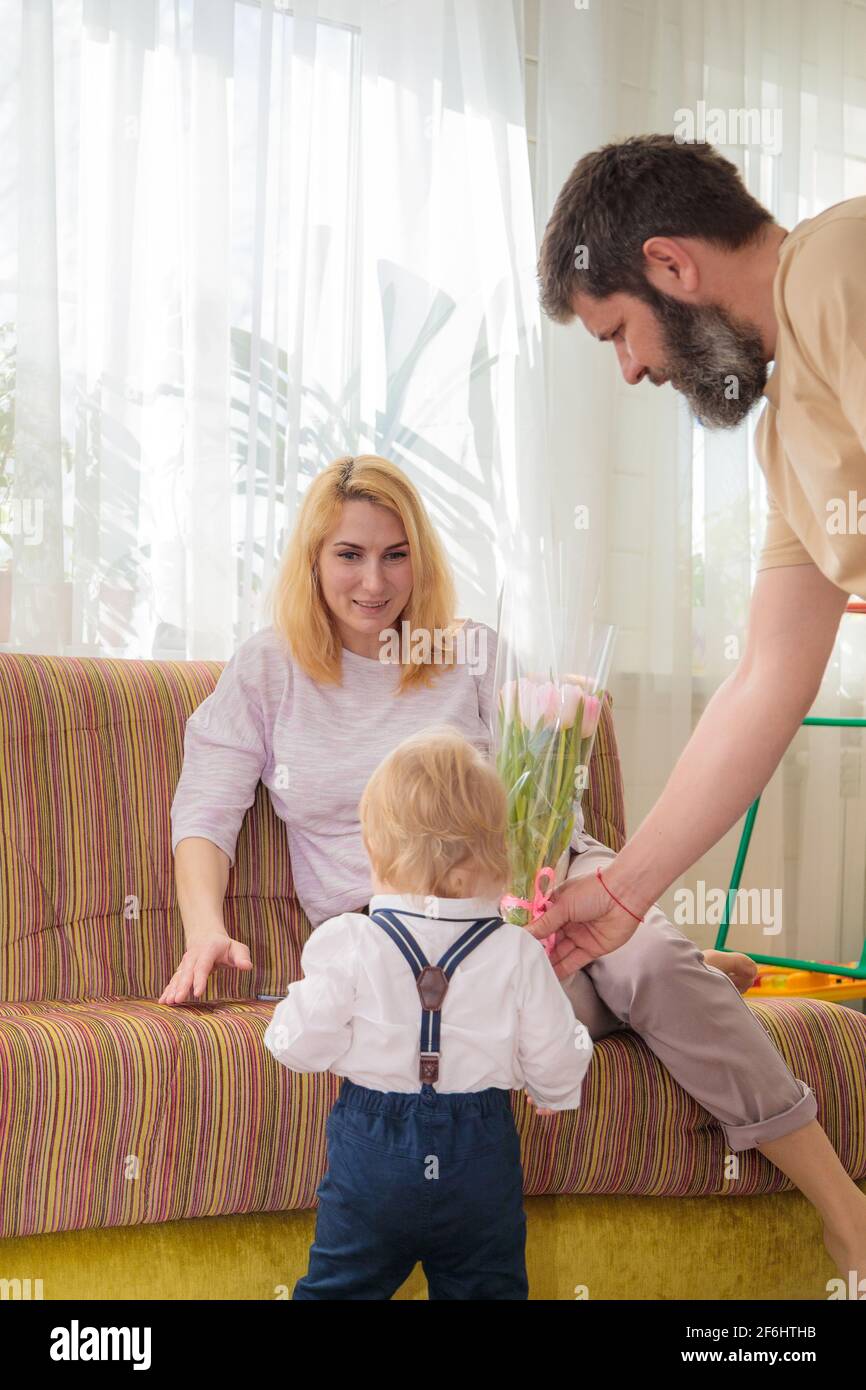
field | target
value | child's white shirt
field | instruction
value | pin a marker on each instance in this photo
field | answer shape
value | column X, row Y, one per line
column 506, row 1020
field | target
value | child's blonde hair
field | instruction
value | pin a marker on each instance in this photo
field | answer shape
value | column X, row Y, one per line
column 434, row 804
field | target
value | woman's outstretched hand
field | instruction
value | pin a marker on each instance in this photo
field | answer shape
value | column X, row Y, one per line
column 199, row 960
column 588, row 922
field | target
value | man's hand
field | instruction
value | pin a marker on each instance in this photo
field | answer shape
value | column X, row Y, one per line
column 588, row 924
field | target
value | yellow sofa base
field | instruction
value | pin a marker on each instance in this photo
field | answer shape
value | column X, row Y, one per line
column 614, row 1247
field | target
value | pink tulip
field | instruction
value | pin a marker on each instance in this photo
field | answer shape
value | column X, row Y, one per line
column 571, row 698
column 522, row 697
column 550, row 701
column 507, row 699
column 544, row 702
column 591, row 712
column 532, row 700
column 526, row 700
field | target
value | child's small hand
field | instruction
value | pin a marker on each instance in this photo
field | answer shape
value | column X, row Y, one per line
column 539, row 1109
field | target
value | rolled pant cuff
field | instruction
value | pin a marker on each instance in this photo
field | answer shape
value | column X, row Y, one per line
column 805, row 1110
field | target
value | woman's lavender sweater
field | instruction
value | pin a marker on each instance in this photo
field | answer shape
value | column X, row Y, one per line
column 315, row 747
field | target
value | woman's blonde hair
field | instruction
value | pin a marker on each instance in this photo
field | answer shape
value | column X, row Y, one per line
column 298, row 608
column 434, row 804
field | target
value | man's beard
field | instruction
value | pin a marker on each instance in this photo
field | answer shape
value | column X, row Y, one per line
column 715, row 361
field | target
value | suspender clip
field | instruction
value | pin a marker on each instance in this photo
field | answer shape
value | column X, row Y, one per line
column 429, row 1068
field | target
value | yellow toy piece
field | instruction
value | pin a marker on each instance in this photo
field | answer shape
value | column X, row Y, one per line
column 781, row 982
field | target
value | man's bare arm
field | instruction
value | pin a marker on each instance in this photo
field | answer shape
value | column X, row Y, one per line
column 742, row 734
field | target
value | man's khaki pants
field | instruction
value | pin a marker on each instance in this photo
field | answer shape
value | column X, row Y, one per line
column 694, row 1019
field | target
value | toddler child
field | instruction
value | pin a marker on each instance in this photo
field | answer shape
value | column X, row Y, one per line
column 432, row 1009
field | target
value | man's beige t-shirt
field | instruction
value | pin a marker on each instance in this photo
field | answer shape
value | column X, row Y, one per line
column 811, row 437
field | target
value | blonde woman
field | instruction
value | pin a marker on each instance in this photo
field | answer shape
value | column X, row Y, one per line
column 308, row 707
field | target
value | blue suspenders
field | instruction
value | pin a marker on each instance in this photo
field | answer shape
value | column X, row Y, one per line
column 431, row 981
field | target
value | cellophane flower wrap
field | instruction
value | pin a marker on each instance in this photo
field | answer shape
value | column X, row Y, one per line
column 553, row 663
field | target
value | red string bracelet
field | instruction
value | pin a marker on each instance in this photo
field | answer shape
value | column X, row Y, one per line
column 615, row 898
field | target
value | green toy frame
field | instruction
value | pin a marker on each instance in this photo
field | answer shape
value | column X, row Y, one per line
column 855, row 972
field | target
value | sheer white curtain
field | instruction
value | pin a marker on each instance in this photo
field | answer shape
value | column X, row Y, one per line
column 676, row 514
column 237, row 240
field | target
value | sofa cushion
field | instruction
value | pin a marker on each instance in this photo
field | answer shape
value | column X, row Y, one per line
column 90, row 755
column 115, row 1112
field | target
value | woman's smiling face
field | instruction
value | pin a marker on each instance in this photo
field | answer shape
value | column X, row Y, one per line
column 365, row 574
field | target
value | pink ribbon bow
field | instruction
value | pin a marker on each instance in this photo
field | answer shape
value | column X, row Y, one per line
column 540, row 902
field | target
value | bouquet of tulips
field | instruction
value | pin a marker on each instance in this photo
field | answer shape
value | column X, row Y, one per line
column 546, row 726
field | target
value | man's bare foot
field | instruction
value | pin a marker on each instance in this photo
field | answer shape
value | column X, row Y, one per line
column 742, row 969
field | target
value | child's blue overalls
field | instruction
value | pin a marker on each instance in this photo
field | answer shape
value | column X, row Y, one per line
column 421, row 1175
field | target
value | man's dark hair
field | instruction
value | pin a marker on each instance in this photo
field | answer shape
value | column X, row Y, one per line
column 618, row 196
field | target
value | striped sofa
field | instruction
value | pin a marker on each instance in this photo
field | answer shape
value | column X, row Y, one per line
column 124, row 1124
